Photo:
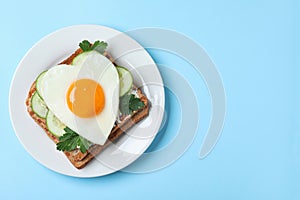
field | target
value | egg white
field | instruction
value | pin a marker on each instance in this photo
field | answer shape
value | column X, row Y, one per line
column 56, row 82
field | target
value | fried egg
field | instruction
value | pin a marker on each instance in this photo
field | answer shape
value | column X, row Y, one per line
column 84, row 96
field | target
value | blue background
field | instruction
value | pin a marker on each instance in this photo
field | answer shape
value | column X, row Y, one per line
column 254, row 46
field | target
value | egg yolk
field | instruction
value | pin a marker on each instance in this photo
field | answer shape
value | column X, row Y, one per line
column 85, row 98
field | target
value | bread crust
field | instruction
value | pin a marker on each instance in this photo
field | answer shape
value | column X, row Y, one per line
column 76, row 157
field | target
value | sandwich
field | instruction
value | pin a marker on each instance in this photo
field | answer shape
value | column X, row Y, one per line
column 86, row 102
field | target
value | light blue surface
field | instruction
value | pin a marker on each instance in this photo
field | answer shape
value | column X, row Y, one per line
column 254, row 45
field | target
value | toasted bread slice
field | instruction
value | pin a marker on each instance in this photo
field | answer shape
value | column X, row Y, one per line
column 76, row 157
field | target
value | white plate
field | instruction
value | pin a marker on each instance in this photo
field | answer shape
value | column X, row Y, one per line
column 54, row 48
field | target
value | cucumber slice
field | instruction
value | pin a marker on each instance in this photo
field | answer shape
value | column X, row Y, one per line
column 126, row 80
column 55, row 126
column 38, row 106
column 38, row 80
column 79, row 59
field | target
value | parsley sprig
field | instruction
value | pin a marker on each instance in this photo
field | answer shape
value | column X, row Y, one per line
column 130, row 103
column 71, row 140
column 85, row 45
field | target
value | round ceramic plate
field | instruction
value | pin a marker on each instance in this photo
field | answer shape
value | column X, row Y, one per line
column 54, row 48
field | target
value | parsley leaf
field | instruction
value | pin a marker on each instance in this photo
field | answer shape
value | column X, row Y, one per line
column 71, row 140
column 130, row 103
column 124, row 105
column 97, row 46
column 85, row 45
column 135, row 103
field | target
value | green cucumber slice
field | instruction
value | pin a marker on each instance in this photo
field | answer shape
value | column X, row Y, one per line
column 55, row 126
column 126, row 80
column 38, row 81
column 78, row 59
column 38, row 106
